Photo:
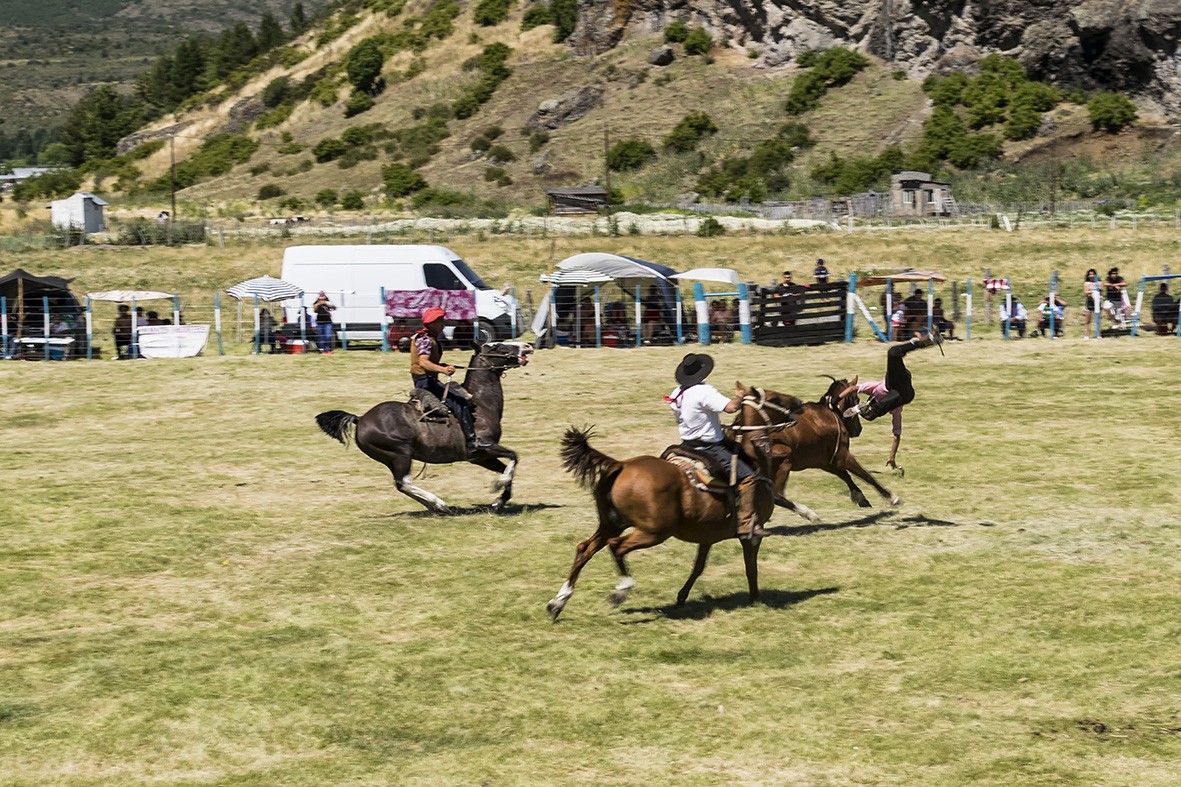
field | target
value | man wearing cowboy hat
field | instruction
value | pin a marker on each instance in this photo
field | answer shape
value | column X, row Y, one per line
column 696, row 406
column 426, row 365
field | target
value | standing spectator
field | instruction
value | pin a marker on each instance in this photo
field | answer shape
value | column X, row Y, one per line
column 323, row 309
column 122, row 332
column 650, row 316
column 1090, row 287
column 1164, row 311
column 820, row 272
column 1015, row 318
column 266, row 331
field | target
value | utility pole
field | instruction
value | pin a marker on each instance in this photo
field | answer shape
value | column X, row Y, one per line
column 888, row 29
column 172, row 163
column 606, row 164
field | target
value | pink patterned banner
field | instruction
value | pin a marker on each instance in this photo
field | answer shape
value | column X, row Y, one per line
column 459, row 304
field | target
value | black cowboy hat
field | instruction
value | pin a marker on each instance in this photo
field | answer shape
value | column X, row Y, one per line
column 694, row 368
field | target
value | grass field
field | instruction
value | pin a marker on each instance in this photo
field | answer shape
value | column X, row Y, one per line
column 200, row 587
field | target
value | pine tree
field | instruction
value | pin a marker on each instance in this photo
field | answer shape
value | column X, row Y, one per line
column 299, row 20
column 270, row 33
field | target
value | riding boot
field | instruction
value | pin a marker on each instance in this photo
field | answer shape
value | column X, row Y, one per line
column 468, row 424
column 748, row 527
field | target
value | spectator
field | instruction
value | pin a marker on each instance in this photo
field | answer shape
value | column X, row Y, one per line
column 122, row 332
column 651, row 314
column 1164, row 311
column 820, row 272
column 1115, row 296
column 266, row 331
column 1044, row 311
column 323, row 309
column 785, row 286
column 154, row 318
column 615, row 322
column 1015, row 318
column 58, row 326
column 940, row 322
column 721, row 320
column 915, row 308
column 1090, row 287
column 895, row 301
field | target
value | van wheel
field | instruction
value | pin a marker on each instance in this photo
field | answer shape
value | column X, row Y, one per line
column 487, row 332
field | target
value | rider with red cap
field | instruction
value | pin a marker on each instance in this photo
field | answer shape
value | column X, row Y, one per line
column 426, row 365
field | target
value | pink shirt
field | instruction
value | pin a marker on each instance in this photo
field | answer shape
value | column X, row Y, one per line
column 877, row 389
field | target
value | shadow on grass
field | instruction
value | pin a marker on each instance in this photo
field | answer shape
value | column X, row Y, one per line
column 512, row 509
column 705, row 606
column 876, row 518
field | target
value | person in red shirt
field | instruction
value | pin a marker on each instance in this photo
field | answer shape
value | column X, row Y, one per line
column 426, row 354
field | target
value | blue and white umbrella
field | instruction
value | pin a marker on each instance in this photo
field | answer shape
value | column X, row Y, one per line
column 266, row 288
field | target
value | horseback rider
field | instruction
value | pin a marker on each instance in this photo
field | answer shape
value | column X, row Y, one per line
column 426, row 354
column 697, row 405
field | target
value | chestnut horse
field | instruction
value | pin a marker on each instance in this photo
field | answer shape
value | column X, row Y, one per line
column 657, row 499
column 821, row 440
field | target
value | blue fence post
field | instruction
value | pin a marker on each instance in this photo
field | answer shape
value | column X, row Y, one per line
column 1053, row 292
column 598, row 316
column 702, row 312
column 1178, row 333
column 553, row 315
column 257, row 327
column 303, row 324
column 744, row 312
column 344, row 326
column 1139, row 302
column 849, row 308
column 134, row 331
column 221, row 350
column 1008, row 309
column 4, row 322
column 639, row 325
column 385, row 333
column 176, row 309
column 930, row 305
column 89, row 330
column 889, row 309
column 680, row 317
column 1097, row 302
column 968, row 335
column 45, row 323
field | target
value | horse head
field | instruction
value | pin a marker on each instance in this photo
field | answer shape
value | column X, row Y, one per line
column 500, row 356
column 764, row 411
column 833, row 400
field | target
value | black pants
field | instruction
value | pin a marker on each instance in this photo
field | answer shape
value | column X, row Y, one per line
column 460, row 408
column 721, row 452
column 900, row 391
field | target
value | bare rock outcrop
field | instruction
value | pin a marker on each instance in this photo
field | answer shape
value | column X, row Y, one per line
column 554, row 113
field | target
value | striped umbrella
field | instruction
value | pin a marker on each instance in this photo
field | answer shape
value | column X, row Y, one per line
column 267, row 288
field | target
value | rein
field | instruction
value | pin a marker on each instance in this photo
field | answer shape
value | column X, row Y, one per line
column 761, row 405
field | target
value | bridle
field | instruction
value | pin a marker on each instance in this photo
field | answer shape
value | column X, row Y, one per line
column 761, row 405
column 503, row 357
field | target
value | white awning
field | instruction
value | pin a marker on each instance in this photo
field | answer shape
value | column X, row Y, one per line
column 129, row 295
column 720, row 275
column 575, row 278
column 611, row 265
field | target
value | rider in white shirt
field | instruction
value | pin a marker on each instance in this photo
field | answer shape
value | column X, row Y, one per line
column 697, row 406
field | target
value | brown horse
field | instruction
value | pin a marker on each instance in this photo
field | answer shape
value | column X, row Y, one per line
column 659, row 501
column 394, row 433
column 821, row 440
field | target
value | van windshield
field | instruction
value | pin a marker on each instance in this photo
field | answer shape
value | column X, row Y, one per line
column 470, row 275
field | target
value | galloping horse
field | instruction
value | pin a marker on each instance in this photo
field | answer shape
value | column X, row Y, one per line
column 395, row 433
column 659, row 501
column 821, row 440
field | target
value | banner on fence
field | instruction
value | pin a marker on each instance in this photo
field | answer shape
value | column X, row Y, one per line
column 459, row 304
column 172, row 341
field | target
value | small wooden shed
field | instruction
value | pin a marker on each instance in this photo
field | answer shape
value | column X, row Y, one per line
column 82, row 211
column 579, row 199
column 913, row 193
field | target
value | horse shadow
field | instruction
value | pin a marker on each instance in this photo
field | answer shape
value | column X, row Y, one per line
column 878, row 517
column 706, row 606
column 510, row 509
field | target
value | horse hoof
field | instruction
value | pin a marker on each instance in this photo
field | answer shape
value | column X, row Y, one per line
column 895, row 500
column 814, row 518
column 681, row 601
column 864, row 503
column 617, row 597
column 554, row 608
column 443, row 510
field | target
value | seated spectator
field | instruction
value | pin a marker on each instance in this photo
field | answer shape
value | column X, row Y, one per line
column 122, row 332
column 1164, row 311
column 940, row 322
column 1016, row 319
column 915, row 308
column 1059, row 312
column 154, row 318
column 820, row 272
column 1116, row 297
column 898, row 320
column 615, row 322
column 721, row 323
column 58, row 326
column 266, row 331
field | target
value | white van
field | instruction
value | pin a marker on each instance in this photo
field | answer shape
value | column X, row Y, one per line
column 353, row 277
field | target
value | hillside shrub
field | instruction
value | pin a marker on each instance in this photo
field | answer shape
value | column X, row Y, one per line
column 538, row 140
column 363, row 65
column 215, row 157
column 828, row 69
column 492, row 132
column 845, row 176
column 352, row 200
column 276, row 92
column 270, row 191
column 751, row 177
column 146, row 149
column 480, row 145
column 275, row 117
column 491, row 12
column 400, row 180
column 417, row 144
column 326, row 198
column 324, row 92
column 49, row 185
column 796, row 135
column 629, row 154
column 676, row 32
column 690, row 130
column 363, row 135
column 328, row 149
column 698, row 42
column 491, row 65
column 564, row 14
column 499, row 154
column 537, row 16
column 358, row 102
column 493, row 173
column 807, row 58
column 1111, row 112
column 289, row 148
column 292, row 204
column 710, row 228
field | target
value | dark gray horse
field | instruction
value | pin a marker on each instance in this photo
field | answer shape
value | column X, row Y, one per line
column 395, row 433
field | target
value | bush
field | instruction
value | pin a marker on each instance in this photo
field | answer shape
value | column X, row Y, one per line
column 698, row 42
column 358, row 102
column 400, row 180
column 499, row 154
column 1110, row 112
column 493, row 173
column 492, row 132
column 275, row 117
column 629, row 154
column 363, row 65
column 796, row 135
column 491, row 12
column 830, row 68
column 537, row 140
column 806, row 92
column 710, row 228
column 51, row 184
column 327, row 197
column 328, row 149
column 358, row 136
column 289, row 148
column 564, row 14
column 142, row 232
column 480, row 145
column 352, row 200
column 676, row 32
column 491, row 64
column 270, row 191
column 689, row 131
column 537, row 16
column 258, row 169
column 276, row 92
column 216, row 156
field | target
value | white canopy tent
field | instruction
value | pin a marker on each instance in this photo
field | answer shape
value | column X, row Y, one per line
column 589, row 269
column 126, row 296
column 717, row 275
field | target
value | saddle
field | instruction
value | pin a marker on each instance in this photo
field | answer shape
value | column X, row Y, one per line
column 428, row 405
column 705, row 473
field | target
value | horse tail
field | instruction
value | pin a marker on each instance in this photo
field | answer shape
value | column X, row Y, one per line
column 337, row 424
column 587, row 464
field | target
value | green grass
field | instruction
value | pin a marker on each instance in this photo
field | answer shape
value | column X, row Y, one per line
column 199, row 587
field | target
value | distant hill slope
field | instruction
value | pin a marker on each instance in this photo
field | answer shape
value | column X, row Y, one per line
column 52, row 52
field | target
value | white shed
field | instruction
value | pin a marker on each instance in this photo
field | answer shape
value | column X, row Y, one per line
column 82, row 211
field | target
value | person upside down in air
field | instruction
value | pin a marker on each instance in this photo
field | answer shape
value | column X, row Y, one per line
column 893, row 393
